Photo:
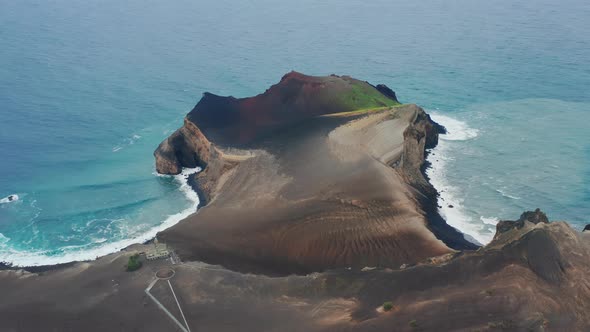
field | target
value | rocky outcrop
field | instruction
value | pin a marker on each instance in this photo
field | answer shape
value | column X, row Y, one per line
column 587, row 228
column 384, row 89
column 533, row 217
column 187, row 147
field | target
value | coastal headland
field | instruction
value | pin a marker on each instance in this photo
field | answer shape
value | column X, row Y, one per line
column 330, row 177
column 316, row 216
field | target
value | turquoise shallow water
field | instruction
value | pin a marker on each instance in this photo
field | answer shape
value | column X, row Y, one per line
column 88, row 90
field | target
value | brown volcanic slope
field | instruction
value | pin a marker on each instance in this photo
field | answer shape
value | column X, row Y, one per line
column 532, row 277
column 321, row 191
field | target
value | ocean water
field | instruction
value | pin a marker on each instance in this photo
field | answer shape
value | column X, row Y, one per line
column 88, row 90
column 499, row 159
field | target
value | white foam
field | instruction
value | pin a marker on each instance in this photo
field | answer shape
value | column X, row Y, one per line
column 503, row 193
column 128, row 141
column 456, row 130
column 490, row 221
column 451, row 205
column 79, row 253
column 3, row 239
column 9, row 200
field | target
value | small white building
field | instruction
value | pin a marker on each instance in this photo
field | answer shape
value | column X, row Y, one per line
column 159, row 251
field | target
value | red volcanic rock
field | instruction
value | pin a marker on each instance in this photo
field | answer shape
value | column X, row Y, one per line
column 229, row 121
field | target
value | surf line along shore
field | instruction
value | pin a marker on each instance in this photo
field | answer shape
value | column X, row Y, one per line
column 39, row 261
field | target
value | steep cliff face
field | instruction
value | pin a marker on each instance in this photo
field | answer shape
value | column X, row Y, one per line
column 187, row 147
column 421, row 134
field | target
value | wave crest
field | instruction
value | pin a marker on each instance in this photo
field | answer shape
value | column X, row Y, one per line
column 456, row 130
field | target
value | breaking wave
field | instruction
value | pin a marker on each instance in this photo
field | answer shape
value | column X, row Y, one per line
column 450, row 202
column 98, row 246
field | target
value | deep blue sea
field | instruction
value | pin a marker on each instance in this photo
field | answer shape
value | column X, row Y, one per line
column 89, row 88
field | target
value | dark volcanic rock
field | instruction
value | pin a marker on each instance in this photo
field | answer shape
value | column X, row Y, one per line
column 187, row 147
column 534, row 217
column 440, row 128
column 587, row 228
column 384, row 89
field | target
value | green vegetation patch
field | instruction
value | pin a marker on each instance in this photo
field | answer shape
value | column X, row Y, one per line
column 363, row 95
column 360, row 97
column 387, row 306
column 134, row 263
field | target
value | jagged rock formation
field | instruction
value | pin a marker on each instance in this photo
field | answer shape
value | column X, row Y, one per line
column 187, row 147
column 534, row 217
column 384, row 89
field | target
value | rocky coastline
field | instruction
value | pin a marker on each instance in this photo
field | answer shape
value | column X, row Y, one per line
column 316, row 216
